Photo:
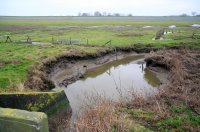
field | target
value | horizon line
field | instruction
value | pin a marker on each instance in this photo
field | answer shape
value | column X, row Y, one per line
column 96, row 16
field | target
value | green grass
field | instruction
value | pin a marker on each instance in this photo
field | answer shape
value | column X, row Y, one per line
column 121, row 32
column 180, row 118
column 138, row 113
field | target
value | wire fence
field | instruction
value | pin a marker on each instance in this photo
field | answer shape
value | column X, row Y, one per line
column 54, row 40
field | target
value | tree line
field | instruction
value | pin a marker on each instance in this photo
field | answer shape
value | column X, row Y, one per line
column 99, row 14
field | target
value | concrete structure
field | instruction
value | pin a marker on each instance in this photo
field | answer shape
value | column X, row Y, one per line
column 13, row 120
column 48, row 102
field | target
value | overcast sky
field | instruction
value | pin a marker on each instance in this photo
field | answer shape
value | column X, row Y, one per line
column 73, row 7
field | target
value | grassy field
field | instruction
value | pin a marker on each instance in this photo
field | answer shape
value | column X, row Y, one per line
column 17, row 57
column 98, row 32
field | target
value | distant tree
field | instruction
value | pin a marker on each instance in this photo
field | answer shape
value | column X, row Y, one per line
column 85, row 14
column 109, row 14
column 104, row 13
column 79, row 14
column 193, row 13
column 184, row 15
column 130, row 15
column 97, row 13
column 116, row 14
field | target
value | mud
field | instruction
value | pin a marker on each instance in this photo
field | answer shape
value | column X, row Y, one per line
column 76, row 69
column 69, row 70
column 40, row 75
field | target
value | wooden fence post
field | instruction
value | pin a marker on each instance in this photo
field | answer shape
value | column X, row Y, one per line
column 8, row 38
column 109, row 42
column 52, row 40
column 193, row 34
column 28, row 39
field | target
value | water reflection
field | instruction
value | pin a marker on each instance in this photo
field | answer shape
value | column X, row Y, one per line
column 116, row 80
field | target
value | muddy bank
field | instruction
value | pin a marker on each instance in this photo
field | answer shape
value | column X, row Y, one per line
column 40, row 75
column 76, row 69
column 161, row 70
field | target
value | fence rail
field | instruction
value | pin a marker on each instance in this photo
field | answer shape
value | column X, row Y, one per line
column 68, row 41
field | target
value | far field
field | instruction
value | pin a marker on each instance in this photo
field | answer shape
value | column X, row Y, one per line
column 17, row 57
column 98, row 32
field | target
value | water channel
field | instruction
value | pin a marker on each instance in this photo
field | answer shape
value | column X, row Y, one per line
column 116, row 80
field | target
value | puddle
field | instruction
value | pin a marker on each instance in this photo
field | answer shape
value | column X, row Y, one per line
column 167, row 32
column 109, row 26
column 35, row 43
column 161, row 38
column 196, row 25
column 39, row 43
column 100, row 26
column 172, row 26
column 151, row 78
column 147, row 27
column 115, row 80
